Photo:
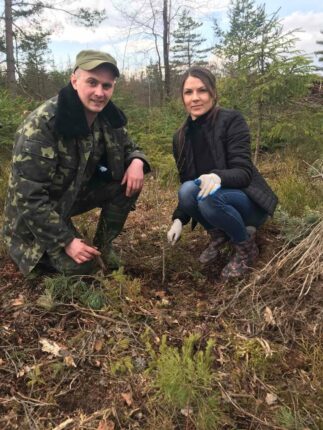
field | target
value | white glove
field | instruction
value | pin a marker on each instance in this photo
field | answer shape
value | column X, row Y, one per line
column 174, row 233
column 209, row 184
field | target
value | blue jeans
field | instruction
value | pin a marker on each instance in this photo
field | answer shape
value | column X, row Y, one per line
column 229, row 210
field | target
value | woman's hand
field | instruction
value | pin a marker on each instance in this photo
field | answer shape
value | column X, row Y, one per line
column 174, row 233
column 209, row 184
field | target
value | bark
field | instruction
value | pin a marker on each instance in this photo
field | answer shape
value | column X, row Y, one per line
column 10, row 60
column 166, row 41
column 259, row 129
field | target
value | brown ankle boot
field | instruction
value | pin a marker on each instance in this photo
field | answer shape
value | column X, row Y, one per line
column 245, row 255
column 218, row 237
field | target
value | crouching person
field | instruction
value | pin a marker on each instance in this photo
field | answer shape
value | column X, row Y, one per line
column 221, row 188
column 71, row 155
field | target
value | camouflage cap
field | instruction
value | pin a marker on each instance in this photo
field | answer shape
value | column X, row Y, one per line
column 90, row 59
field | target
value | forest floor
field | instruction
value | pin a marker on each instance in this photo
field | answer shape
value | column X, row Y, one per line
column 66, row 364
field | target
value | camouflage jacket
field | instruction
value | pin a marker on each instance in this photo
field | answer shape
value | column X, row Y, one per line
column 50, row 155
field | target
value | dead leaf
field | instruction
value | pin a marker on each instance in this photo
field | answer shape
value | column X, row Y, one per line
column 127, row 397
column 69, row 361
column 268, row 316
column 50, row 346
column 98, row 345
column 271, row 399
column 2, row 362
column 19, row 301
column 25, row 370
column 106, row 425
column 187, row 411
column 160, row 294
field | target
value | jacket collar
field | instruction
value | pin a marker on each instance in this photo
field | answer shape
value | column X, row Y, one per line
column 70, row 120
column 204, row 121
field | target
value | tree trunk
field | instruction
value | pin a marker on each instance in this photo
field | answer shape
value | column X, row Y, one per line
column 258, row 134
column 11, row 76
column 166, row 36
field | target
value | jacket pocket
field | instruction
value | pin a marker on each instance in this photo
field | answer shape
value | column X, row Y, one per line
column 35, row 161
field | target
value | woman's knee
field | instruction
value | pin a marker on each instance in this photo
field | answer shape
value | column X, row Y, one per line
column 187, row 192
column 211, row 203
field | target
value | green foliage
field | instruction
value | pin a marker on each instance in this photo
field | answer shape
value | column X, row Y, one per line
column 185, row 381
column 288, row 419
column 187, row 49
column 118, row 280
column 89, row 18
column 153, row 129
column 35, row 377
column 297, row 194
column 319, row 53
column 30, row 28
column 4, row 175
column 256, row 353
column 265, row 72
column 57, row 369
column 64, row 289
column 12, row 110
column 122, row 366
column 296, row 228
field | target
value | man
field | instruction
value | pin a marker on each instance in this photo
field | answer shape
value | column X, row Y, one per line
column 72, row 154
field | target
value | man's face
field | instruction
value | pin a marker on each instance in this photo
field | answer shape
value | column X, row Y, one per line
column 94, row 88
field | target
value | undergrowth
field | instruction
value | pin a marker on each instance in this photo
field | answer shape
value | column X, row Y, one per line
column 185, row 381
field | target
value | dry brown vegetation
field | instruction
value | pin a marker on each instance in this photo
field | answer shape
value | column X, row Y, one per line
column 255, row 361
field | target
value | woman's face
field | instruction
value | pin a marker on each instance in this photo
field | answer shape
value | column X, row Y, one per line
column 197, row 100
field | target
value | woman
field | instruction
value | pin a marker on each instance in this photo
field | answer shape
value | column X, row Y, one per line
column 221, row 188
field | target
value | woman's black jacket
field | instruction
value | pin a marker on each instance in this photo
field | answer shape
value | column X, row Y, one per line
column 229, row 142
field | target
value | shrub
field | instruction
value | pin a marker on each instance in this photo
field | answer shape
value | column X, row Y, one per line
column 297, row 194
column 12, row 111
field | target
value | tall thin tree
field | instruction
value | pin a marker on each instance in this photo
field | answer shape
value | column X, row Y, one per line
column 188, row 43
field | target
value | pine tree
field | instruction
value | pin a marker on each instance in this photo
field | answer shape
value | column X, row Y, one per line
column 320, row 52
column 187, row 43
column 263, row 67
column 30, row 14
column 32, row 62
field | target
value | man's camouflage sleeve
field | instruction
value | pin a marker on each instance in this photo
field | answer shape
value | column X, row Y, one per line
column 34, row 166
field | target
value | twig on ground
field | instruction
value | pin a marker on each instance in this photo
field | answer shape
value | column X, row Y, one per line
column 246, row 413
column 64, row 424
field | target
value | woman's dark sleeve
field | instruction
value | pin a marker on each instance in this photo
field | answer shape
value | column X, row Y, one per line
column 238, row 173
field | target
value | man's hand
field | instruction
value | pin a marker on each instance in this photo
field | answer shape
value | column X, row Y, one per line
column 80, row 252
column 134, row 177
column 209, row 184
column 175, row 231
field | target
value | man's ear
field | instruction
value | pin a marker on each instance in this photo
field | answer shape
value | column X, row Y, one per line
column 74, row 81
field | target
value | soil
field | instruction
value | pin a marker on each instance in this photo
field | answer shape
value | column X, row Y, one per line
column 99, row 379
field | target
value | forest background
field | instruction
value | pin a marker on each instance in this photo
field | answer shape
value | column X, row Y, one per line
column 159, row 345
